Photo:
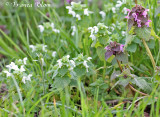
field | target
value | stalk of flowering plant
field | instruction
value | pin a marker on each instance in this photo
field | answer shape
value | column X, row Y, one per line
column 117, row 50
column 138, row 20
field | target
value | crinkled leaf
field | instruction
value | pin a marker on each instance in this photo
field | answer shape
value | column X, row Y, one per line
column 80, row 71
column 61, row 82
column 151, row 43
column 132, row 47
column 143, row 33
column 124, row 82
column 115, row 75
column 137, row 40
column 122, row 57
column 63, row 71
column 129, row 40
column 101, row 53
column 142, row 84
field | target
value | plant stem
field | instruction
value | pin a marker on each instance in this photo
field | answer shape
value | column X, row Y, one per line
column 119, row 64
column 104, row 70
column 149, row 53
column 130, row 86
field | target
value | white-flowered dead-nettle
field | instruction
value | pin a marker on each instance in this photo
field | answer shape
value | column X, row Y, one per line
column 48, row 25
column 77, row 10
column 18, row 70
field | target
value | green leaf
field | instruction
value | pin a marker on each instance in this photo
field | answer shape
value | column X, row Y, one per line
column 142, row 84
column 151, row 43
column 109, row 60
column 103, row 40
column 154, row 34
column 143, row 33
column 101, row 53
column 132, row 47
column 63, row 71
column 114, row 75
column 122, row 57
column 61, row 82
column 80, row 71
column 137, row 40
column 129, row 40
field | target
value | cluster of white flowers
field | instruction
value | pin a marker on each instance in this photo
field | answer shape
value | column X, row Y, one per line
column 13, row 69
column 77, row 6
column 73, row 30
column 111, row 7
column 120, row 3
column 66, row 62
column 71, row 64
column 35, row 47
column 54, row 29
column 84, row 60
column 94, row 30
column 42, row 27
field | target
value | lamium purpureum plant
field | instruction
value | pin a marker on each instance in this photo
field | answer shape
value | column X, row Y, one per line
column 138, row 25
column 115, row 51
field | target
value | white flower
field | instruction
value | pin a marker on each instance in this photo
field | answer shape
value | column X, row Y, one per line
column 113, row 9
column 95, row 29
column 124, row 10
column 54, row 54
column 78, row 16
column 68, row 56
column 87, row 12
column 123, row 33
column 56, row 30
column 119, row 3
column 89, row 58
column 103, row 14
column 12, row 66
column 21, row 69
column 44, row 48
column 85, row 64
column 73, row 63
column 52, row 25
column 109, row 32
column 26, row 78
column 93, row 37
column 25, row 60
column 53, row 28
column 71, row 12
column 69, row 7
column 7, row 73
column 32, row 47
column 73, row 30
column 112, row 28
column 41, row 28
column 59, row 63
